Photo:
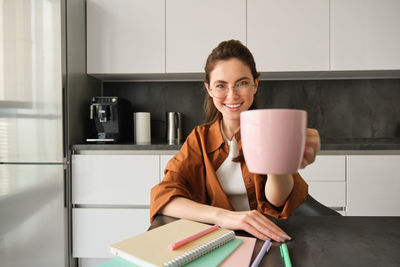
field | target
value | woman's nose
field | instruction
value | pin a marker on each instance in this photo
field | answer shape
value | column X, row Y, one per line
column 231, row 92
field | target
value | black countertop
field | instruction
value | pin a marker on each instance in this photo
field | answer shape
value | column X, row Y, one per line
column 326, row 144
column 360, row 144
column 122, row 146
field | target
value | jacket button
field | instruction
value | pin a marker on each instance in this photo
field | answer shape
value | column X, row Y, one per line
column 249, row 179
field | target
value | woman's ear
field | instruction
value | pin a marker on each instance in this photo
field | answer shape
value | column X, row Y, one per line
column 207, row 88
column 256, row 85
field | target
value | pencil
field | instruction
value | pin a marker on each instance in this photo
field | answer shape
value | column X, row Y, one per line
column 188, row 239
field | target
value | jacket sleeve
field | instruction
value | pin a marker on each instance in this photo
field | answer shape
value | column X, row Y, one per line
column 184, row 177
column 298, row 196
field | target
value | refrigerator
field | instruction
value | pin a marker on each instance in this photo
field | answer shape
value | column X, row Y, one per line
column 33, row 165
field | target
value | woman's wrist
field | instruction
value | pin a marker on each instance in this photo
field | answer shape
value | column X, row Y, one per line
column 218, row 215
column 278, row 188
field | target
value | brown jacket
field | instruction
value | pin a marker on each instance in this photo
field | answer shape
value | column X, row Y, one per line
column 192, row 174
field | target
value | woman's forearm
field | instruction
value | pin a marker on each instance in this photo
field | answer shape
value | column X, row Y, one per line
column 181, row 207
column 278, row 188
column 251, row 221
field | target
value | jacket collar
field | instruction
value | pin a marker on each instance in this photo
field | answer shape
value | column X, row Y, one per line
column 214, row 137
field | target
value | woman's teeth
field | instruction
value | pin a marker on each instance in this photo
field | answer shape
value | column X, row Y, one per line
column 233, row 106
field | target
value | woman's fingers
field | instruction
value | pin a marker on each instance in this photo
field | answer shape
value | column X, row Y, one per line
column 313, row 146
column 258, row 225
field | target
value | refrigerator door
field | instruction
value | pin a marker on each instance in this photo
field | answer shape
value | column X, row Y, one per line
column 32, row 227
column 31, row 128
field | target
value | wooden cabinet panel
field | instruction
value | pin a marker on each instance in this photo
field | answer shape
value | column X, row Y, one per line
column 114, row 179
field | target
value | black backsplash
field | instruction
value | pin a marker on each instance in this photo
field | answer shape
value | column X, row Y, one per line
column 339, row 109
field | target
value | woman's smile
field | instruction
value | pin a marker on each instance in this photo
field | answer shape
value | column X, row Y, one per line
column 233, row 107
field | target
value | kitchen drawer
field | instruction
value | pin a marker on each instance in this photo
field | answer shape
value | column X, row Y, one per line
column 326, row 168
column 93, row 230
column 331, row 194
column 163, row 163
column 373, row 183
column 114, row 179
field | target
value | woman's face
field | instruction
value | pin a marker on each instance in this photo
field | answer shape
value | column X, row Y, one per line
column 229, row 73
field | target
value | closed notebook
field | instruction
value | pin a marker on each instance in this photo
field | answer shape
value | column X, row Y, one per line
column 210, row 259
column 242, row 255
column 151, row 248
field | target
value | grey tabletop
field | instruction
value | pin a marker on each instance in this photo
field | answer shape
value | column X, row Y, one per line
column 339, row 241
column 332, row 241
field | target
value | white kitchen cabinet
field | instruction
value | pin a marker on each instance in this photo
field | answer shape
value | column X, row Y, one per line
column 94, row 229
column 125, row 36
column 289, row 35
column 111, row 197
column 194, row 28
column 373, row 185
column 113, row 179
column 331, row 194
column 365, row 35
column 326, row 179
column 163, row 163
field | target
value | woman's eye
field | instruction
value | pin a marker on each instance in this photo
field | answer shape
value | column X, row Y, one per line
column 243, row 83
column 220, row 86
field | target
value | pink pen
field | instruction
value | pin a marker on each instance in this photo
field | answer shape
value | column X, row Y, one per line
column 188, row 239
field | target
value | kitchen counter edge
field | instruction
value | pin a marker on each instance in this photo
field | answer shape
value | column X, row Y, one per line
column 161, row 149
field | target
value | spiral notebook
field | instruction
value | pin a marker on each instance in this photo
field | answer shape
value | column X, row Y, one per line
column 151, row 248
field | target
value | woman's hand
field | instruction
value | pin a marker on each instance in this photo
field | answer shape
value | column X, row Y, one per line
column 252, row 222
column 313, row 146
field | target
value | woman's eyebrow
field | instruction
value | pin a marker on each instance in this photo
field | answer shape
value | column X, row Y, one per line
column 238, row 80
column 243, row 78
column 219, row 81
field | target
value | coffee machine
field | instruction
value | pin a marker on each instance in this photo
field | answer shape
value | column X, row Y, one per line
column 112, row 119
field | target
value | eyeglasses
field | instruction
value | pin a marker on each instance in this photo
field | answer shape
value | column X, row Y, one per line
column 242, row 88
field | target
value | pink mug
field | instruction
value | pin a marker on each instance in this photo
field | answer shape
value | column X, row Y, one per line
column 273, row 140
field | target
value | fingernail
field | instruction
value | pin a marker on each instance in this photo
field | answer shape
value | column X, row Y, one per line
column 281, row 239
column 286, row 237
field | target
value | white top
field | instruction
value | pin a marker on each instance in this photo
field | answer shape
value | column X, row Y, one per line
column 230, row 177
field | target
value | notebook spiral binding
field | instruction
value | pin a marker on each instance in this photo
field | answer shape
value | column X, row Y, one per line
column 200, row 251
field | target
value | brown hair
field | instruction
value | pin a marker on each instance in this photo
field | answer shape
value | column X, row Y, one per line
column 224, row 51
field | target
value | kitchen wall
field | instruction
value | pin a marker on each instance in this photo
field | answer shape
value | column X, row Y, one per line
column 339, row 109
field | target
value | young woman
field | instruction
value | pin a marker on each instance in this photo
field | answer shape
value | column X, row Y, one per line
column 208, row 180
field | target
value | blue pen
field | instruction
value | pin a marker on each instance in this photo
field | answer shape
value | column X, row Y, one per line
column 285, row 255
column 264, row 249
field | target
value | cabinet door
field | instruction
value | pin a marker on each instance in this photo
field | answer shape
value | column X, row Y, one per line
column 326, row 179
column 194, row 28
column 289, row 35
column 373, row 183
column 365, row 34
column 125, row 36
column 93, row 230
column 114, row 179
